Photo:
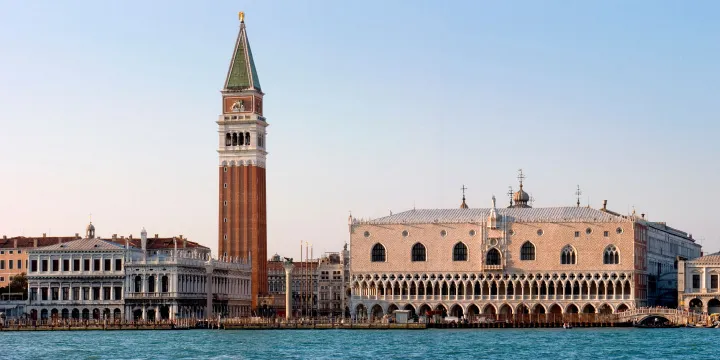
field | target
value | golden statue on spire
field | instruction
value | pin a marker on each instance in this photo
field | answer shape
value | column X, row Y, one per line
column 241, row 16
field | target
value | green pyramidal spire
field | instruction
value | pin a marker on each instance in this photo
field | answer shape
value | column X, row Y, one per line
column 242, row 74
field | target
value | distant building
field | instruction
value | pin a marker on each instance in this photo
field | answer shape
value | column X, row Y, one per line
column 699, row 284
column 505, row 261
column 332, row 284
column 665, row 244
column 320, row 286
column 304, row 287
column 13, row 253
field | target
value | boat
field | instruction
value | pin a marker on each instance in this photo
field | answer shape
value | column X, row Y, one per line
column 567, row 326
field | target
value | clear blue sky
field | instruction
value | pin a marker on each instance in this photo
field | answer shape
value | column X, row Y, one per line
column 109, row 108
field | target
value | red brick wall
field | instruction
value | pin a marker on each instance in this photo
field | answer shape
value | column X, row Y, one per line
column 246, row 225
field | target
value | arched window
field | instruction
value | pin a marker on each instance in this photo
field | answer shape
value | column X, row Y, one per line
column 151, row 284
column 378, row 253
column 247, row 138
column 234, row 139
column 460, row 252
column 567, row 256
column 418, row 252
column 611, row 256
column 138, row 283
column 228, row 139
column 527, row 251
column 164, row 284
column 493, row 257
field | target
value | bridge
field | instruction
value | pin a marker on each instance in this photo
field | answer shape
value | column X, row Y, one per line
column 652, row 316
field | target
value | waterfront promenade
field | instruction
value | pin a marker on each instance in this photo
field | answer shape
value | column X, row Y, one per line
column 628, row 318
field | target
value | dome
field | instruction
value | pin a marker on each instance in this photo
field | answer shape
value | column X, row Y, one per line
column 464, row 205
column 91, row 227
column 521, row 196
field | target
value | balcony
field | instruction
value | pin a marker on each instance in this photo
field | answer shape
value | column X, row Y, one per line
column 164, row 295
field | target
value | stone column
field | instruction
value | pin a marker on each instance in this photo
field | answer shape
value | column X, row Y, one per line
column 288, row 289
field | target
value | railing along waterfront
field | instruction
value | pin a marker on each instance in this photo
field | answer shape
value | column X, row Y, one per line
column 96, row 324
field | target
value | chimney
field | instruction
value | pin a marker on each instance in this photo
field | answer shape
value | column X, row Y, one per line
column 642, row 215
column 114, row 237
column 14, row 241
column 184, row 242
column 604, row 205
column 44, row 235
column 122, row 236
column 156, row 236
column 4, row 237
column 59, row 240
column 34, row 242
column 77, row 235
column 130, row 237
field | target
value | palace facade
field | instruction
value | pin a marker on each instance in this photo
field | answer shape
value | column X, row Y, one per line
column 504, row 261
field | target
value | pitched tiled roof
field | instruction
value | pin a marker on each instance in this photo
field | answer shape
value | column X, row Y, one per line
column 713, row 258
column 84, row 245
column 551, row 214
column 28, row 242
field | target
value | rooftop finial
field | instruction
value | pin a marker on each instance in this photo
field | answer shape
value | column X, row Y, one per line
column 463, row 205
column 510, row 194
column 578, row 192
column 241, row 16
column 521, row 177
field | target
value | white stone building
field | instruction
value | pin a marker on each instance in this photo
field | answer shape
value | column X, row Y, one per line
column 175, row 281
column 130, row 278
column 699, row 284
column 79, row 279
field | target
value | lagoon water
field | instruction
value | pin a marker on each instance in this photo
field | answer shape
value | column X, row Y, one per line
column 515, row 344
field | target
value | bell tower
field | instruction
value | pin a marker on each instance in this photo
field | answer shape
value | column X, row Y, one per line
column 242, row 230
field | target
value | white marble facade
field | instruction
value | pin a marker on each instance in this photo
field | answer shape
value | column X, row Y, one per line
column 698, row 284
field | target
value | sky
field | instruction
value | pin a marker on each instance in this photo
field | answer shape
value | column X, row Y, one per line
column 109, row 107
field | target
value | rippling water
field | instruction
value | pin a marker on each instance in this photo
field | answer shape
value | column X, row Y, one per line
column 605, row 343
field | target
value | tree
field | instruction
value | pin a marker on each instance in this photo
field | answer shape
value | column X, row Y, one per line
column 18, row 284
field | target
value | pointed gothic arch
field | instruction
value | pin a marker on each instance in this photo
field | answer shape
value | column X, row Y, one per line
column 460, row 252
column 611, row 255
column 527, row 251
column 568, row 256
column 493, row 257
column 378, row 253
column 418, row 252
